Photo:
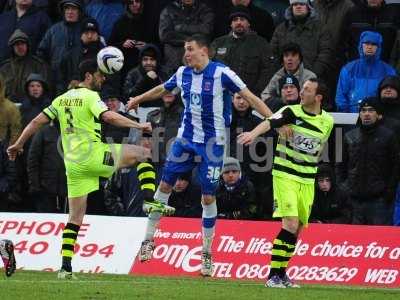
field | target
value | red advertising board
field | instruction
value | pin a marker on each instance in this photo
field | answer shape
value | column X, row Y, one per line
column 327, row 254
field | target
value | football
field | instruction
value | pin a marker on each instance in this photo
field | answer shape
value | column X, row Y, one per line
column 110, row 60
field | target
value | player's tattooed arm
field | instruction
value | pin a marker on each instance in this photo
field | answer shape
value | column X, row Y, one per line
column 119, row 120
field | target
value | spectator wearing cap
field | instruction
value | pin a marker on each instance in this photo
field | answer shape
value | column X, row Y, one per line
column 185, row 197
column 26, row 17
column 369, row 169
column 179, row 20
column 165, row 121
column 330, row 204
column 289, row 93
column 360, row 78
column 62, row 36
column 147, row 75
column 244, row 51
column 22, row 63
column 292, row 61
column 370, row 15
column 235, row 193
column 106, row 13
column 303, row 27
column 130, row 33
column 91, row 43
column 262, row 21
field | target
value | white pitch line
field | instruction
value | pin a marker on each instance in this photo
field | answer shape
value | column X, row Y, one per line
column 209, row 282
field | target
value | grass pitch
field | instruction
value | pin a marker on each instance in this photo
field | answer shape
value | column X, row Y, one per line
column 43, row 285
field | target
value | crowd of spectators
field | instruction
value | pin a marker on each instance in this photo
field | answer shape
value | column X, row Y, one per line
column 353, row 45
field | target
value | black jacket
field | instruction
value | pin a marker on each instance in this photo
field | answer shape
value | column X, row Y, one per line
column 187, row 203
column 330, row 207
column 370, row 163
column 242, row 124
column 237, row 203
column 8, row 175
column 261, row 20
column 137, row 82
column 69, row 66
column 133, row 28
column 167, row 120
column 46, row 170
column 30, row 108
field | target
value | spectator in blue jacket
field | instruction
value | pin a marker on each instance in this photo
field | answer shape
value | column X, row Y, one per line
column 26, row 17
column 360, row 78
column 62, row 37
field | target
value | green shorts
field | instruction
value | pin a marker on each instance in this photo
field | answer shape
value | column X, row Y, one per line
column 292, row 199
column 84, row 177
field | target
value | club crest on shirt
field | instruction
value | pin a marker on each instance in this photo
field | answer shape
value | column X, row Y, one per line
column 207, row 86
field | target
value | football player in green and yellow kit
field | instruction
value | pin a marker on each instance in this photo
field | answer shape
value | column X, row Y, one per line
column 80, row 112
column 294, row 170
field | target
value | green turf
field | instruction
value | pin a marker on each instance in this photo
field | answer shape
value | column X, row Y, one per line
column 41, row 285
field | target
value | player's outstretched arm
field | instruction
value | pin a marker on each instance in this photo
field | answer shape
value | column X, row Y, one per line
column 153, row 94
column 29, row 130
column 246, row 138
column 116, row 119
column 255, row 102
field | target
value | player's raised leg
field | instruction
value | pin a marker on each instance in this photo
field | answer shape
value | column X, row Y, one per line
column 77, row 209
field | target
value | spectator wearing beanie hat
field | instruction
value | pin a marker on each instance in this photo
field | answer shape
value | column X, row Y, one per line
column 303, row 27
column 245, row 52
column 292, row 62
column 61, row 38
column 91, row 44
column 369, row 169
column 289, row 93
column 389, row 94
column 261, row 20
column 148, row 74
column 235, row 193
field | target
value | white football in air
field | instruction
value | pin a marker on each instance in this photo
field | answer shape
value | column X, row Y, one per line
column 110, row 60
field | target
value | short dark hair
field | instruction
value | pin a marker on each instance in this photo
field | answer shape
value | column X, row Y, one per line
column 322, row 88
column 200, row 39
column 87, row 66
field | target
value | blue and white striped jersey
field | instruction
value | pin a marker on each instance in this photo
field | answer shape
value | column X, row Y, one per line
column 207, row 96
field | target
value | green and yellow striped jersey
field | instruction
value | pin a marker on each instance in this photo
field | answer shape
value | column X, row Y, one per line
column 78, row 112
column 297, row 158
